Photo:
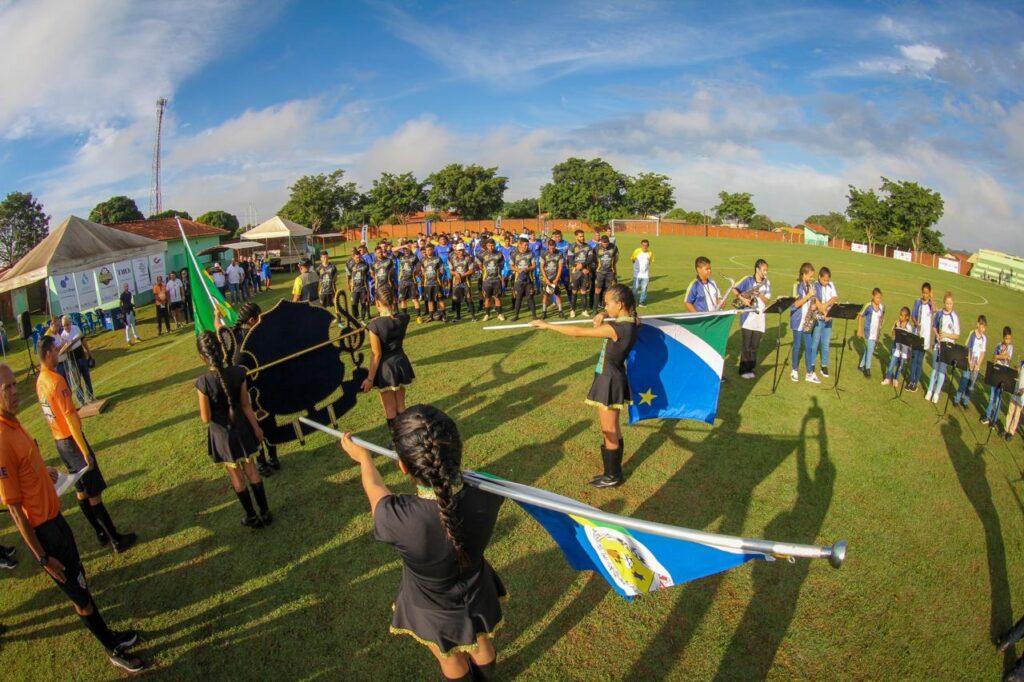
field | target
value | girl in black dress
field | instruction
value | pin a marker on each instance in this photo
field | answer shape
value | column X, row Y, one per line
column 248, row 315
column 610, row 392
column 390, row 370
column 449, row 596
column 233, row 434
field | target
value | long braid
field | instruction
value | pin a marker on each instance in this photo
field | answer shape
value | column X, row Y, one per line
column 429, row 445
column 212, row 352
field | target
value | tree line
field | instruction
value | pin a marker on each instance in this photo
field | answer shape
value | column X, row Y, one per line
column 899, row 213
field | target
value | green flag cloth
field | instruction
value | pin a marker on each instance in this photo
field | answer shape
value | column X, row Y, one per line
column 206, row 298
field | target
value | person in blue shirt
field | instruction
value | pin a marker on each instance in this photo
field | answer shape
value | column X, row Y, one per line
column 869, row 328
column 753, row 293
column 922, row 314
column 976, row 347
column 702, row 295
column 827, row 296
column 947, row 330
column 506, row 249
column 801, row 321
column 443, row 250
column 1002, row 356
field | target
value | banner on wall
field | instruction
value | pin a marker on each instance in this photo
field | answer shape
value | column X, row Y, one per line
column 949, row 265
column 123, row 273
column 859, row 248
column 67, row 294
column 157, row 267
column 107, row 283
column 141, row 268
column 903, row 255
column 85, row 283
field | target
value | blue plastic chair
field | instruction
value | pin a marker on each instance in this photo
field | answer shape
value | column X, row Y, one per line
column 41, row 328
column 90, row 322
column 35, row 340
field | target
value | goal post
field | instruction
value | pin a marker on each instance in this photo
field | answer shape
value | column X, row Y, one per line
column 635, row 225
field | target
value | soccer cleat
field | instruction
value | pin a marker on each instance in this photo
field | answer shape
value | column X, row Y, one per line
column 813, row 378
column 794, row 375
column 419, row 319
column 126, row 661
column 7, row 552
column 122, row 543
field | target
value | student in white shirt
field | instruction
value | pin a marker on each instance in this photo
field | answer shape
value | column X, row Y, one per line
column 922, row 314
column 642, row 259
column 827, row 295
column 947, row 330
column 869, row 323
column 754, row 292
column 976, row 346
column 235, row 274
column 900, row 351
column 1002, row 356
column 174, row 297
column 1016, row 405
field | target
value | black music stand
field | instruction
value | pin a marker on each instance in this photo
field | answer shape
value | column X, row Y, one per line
column 844, row 312
column 779, row 305
column 913, row 342
column 1003, row 377
column 955, row 356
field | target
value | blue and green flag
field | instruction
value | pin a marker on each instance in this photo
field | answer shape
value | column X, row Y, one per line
column 675, row 367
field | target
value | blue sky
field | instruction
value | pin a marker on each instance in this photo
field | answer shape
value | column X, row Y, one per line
column 790, row 102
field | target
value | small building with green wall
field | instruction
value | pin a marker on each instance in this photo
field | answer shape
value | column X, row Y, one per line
column 815, row 235
column 998, row 267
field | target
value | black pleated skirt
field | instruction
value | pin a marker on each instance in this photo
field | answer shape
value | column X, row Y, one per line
column 610, row 390
column 395, row 372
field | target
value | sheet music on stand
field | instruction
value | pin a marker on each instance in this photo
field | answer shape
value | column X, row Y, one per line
column 66, row 482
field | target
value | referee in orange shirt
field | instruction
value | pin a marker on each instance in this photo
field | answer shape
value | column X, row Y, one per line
column 26, row 487
column 59, row 410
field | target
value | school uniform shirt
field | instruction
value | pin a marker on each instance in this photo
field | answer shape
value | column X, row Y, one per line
column 826, row 292
column 797, row 316
column 872, row 320
column 704, row 296
column 902, row 350
column 923, row 314
column 976, row 344
column 1003, row 348
column 947, row 323
column 754, row 318
column 24, row 479
column 642, row 263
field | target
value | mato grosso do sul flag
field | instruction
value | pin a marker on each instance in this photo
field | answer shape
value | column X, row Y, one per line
column 636, row 557
column 675, row 367
column 206, row 298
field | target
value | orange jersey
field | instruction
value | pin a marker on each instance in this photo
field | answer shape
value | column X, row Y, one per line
column 24, row 479
column 55, row 400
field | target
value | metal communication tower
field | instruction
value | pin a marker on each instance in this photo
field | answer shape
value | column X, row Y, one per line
column 155, row 200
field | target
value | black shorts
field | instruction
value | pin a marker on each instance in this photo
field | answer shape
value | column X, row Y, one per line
column 91, row 483
column 327, row 300
column 432, row 292
column 580, row 281
column 361, row 294
column 605, row 280
column 406, row 291
column 177, row 305
column 460, row 292
column 57, row 541
column 492, row 289
column 523, row 288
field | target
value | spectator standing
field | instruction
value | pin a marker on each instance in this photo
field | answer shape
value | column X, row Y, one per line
column 219, row 280
column 160, row 301
column 176, row 300
column 74, row 349
column 234, row 274
column 128, row 313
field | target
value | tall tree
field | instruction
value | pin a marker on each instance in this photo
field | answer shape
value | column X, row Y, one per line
column 585, row 189
column 170, row 213
column 835, row 222
column 521, row 208
column 649, row 193
column 319, row 201
column 221, row 219
column 395, row 197
column 473, row 192
column 912, row 210
column 691, row 217
column 23, row 224
column 736, row 207
column 761, row 222
column 869, row 215
column 117, row 209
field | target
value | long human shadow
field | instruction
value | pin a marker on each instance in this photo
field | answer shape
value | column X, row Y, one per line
column 756, row 641
column 970, row 468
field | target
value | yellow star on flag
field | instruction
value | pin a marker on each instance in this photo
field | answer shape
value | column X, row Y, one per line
column 647, row 398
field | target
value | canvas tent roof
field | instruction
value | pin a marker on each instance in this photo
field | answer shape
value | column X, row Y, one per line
column 277, row 228
column 76, row 245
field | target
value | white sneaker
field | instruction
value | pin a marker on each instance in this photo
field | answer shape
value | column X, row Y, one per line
column 886, row 382
column 928, row 395
column 572, row 314
column 813, row 378
column 935, row 398
column 794, row 375
column 501, row 316
column 748, row 375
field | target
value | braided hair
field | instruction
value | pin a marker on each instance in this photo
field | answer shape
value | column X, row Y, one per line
column 623, row 295
column 429, row 445
column 247, row 311
column 211, row 350
column 386, row 299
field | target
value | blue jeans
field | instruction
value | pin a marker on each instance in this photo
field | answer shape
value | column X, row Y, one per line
column 963, row 393
column 235, row 297
column 865, row 360
column 807, row 340
column 916, row 365
column 640, row 289
column 995, row 401
column 822, row 339
column 895, row 367
column 938, row 374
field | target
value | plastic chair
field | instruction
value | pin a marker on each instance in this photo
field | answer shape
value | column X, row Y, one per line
column 41, row 329
column 90, row 322
column 35, row 340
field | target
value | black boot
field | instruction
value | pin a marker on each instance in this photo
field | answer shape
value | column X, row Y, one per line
column 1012, row 637
column 481, row 673
column 612, row 476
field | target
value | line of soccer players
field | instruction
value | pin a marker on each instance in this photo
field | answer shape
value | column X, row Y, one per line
column 477, row 270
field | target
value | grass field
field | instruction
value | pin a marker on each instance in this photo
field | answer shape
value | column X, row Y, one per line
column 933, row 519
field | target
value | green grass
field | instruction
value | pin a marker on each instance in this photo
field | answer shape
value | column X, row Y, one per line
column 932, row 518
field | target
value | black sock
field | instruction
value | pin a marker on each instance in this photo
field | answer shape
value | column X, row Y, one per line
column 533, row 306
column 391, row 425
column 468, row 677
column 472, row 308
column 87, row 512
column 100, row 510
column 246, row 500
column 272, row 452
column 261, row 496
column 94, row 621
column 483, row 672
column 458, row 310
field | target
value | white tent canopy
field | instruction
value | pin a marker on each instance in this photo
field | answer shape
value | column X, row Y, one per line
column 78, row 245
column 276, row 228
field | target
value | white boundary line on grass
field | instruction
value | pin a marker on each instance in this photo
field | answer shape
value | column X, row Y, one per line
column 139, row 361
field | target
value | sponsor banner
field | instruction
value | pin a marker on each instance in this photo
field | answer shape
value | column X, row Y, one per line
column 107, row 283
column 85, row 282
column 859, row 248
column 157, row 267
column 142, row 280
column 67, row 294
column 903, row 255
column 123, row 273
column 949, row 265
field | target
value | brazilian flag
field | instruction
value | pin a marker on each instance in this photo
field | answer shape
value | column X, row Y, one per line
column 206, row 298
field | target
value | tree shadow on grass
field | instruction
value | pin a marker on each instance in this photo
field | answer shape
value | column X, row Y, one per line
column 969, row 465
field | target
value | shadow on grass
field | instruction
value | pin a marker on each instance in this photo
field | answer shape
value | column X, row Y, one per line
column 969, row 465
